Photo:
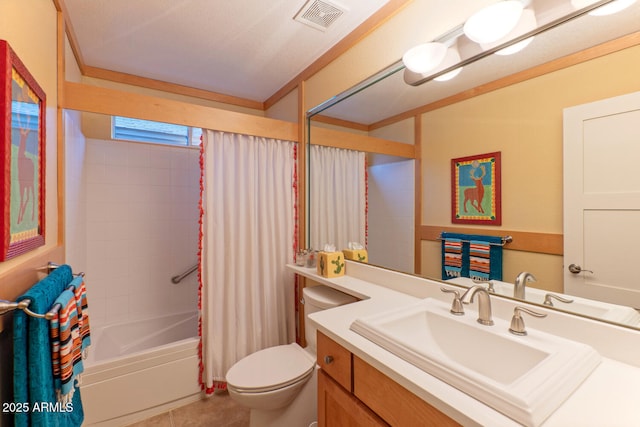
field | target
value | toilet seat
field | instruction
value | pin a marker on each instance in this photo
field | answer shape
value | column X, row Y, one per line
column 271, row 369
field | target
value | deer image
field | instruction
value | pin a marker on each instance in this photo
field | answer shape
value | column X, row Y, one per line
column 26, row 166
column 475, row 194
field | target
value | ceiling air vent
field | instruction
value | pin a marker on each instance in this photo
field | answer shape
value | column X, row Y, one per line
column 319, row 14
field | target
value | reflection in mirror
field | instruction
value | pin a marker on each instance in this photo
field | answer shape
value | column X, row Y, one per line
column 524, row 121
column 338, row 197
column 378, row 188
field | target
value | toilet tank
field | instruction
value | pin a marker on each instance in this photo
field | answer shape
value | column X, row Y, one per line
column 319, row 298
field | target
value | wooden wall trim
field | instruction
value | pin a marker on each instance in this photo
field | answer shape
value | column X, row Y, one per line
column 603, row 49
column 95, row 99
column 60, row 137
column 130, row 79
column 385, row 13
column 302, row 209
column 339, row 122
column 417, row 137
column 352, row 141
column 527, row 241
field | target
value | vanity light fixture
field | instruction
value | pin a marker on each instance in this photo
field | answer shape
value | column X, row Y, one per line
column 451, row 58
column 493, row 22
column 608, row 9
column 526, row 24
column 424, row 57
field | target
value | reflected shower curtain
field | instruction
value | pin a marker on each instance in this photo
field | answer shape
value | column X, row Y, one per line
column 246, row 239
column 338, row 203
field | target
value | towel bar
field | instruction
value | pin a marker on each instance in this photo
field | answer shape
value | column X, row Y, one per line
column 505, row 240
column 7, row 306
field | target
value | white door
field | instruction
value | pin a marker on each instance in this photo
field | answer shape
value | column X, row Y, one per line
column 602, row 200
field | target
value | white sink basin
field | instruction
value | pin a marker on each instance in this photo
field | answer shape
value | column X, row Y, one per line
column 524, row 377
column 586, row 307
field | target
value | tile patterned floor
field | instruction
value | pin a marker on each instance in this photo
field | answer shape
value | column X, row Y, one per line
column 217, row 410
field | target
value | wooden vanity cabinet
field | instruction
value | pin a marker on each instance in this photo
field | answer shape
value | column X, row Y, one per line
column 352, row 393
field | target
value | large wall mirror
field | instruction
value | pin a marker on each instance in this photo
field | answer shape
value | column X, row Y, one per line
column 382, row 108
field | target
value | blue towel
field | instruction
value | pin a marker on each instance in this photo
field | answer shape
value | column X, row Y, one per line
column 33, row 381
column 494, row 258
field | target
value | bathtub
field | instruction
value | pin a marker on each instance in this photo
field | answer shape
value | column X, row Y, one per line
column 139, row 369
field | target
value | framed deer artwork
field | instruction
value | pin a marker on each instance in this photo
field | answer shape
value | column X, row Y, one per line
column 22, row 153
column 475, row 190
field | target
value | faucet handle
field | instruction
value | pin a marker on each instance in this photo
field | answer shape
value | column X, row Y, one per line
column 489, row 284
column 456, row 305
column 548, row 297
column 517, row 323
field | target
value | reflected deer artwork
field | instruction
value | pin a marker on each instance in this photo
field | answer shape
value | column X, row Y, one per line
column 476, row 194
column 475, row 185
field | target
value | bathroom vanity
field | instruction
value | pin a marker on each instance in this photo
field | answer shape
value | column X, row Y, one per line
column 361, row 383
column 352, row 393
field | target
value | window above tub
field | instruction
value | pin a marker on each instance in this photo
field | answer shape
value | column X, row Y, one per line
column 129, row 129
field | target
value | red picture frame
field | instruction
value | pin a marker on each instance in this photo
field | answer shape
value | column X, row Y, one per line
column 22, row 154
column 476, row 192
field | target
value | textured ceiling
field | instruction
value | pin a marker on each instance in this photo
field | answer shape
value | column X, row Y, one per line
column 251, row 49
column 242, row 48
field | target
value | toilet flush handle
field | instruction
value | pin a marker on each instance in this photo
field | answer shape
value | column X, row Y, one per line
column 328, row 360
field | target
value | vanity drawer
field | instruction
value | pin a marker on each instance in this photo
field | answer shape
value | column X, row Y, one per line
column 392, row 402
column 335, row 360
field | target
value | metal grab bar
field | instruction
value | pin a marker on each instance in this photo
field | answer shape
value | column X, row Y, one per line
column 177, row 279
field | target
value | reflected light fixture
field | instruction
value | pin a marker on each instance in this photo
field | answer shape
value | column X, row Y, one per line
column 451, row 58
column 493, row 22
column 424, row 57
column 526, row 23
column 608, row 9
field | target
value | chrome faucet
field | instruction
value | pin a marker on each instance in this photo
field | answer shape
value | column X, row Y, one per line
column 484, row 303
column 521, row 279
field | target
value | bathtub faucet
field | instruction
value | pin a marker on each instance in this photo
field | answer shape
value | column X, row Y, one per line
column 521, row 279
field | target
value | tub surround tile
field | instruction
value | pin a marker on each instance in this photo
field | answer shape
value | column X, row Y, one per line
column 142, row 203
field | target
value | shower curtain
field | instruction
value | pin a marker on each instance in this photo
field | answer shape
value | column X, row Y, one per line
column 246, row 239
column 338, row 197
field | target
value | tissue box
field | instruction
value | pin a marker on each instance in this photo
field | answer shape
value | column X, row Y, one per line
column 356, row 254
column 330, row 264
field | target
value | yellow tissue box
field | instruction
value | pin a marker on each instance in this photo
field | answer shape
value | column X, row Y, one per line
column 330, row 264
column 356, row 254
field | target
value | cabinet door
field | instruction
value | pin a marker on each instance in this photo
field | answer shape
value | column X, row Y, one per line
column 394, row 403
column 338, row 408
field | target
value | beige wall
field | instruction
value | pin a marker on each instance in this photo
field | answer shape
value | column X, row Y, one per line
column 29, row 26
column 524, row 122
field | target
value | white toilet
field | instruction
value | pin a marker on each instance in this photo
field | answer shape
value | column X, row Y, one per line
column 279, row 383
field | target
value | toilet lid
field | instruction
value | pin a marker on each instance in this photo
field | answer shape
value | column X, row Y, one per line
column 270, row 369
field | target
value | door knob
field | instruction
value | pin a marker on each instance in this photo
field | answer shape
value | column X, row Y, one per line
column 575, row 269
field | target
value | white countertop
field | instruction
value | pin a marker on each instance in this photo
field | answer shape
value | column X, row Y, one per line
column 609, row 396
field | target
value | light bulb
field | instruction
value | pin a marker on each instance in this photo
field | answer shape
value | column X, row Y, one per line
column 493, row 22
column 526, row 24
column 424, row 57
column 451, row 58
